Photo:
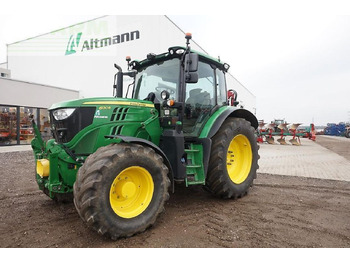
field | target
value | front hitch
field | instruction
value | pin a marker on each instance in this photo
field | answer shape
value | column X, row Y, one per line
column 47, row 165
column 37, row 143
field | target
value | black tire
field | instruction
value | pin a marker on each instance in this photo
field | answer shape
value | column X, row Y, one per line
column 218, row 180
column 94, row 182
column 347, row 133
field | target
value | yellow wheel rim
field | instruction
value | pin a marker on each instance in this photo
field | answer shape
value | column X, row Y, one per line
column 239, row 159
column 131, row 192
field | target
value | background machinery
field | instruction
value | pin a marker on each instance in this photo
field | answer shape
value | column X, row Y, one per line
column 279, row 127
column 340, row 129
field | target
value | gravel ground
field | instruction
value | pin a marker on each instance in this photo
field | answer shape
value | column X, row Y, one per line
column 279, row 211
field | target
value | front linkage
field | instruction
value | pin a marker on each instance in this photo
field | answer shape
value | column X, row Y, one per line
column 55, row 167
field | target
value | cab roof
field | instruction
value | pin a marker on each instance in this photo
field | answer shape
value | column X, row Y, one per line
column 176, row 52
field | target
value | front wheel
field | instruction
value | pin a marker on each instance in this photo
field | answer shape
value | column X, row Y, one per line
column 233, row 160
column 121, row 189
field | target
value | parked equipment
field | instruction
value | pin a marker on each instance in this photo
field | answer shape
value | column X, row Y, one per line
column 334, row 129
column 281, row 128
column 118, row 156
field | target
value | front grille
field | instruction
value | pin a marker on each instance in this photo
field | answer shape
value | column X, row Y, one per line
column 119, row 113
column 117, row 130
column 64, row 130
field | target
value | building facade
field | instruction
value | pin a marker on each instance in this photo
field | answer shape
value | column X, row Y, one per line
column 82, row 57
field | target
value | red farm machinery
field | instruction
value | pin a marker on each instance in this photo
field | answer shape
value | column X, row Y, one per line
column 280, row 128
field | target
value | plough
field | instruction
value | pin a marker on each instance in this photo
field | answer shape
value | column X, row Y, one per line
column 283, row 129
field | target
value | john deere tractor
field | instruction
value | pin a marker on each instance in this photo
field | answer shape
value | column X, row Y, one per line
column 120, row 156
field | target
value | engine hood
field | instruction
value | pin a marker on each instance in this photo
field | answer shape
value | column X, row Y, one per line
column 102, row 101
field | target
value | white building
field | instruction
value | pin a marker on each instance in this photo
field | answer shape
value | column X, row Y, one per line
column 81, row 57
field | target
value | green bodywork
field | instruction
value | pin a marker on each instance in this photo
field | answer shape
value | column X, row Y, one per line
column 141, row 121
column 111, row 117
column 65, row 159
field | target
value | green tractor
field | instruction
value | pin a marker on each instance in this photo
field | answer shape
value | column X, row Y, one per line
column 119, row 157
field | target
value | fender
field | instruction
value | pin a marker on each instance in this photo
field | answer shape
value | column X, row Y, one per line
column 140, row 141
column 231, row 112
column 216, row 121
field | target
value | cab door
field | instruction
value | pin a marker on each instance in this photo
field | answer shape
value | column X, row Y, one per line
column 203, row 98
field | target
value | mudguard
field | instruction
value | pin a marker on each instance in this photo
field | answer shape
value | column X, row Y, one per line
column 218, row 120
column 140, row 141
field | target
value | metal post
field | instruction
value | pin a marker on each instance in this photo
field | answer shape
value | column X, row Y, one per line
column 18, row 128
column 38, row 118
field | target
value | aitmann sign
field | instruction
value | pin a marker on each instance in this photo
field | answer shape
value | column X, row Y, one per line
column 74, row 42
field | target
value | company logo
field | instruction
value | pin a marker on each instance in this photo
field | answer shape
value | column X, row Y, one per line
column 73, row 43
column 95, row 43
column 98, row 115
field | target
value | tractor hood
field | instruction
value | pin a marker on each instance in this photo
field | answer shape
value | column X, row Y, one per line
column 102, row 115
column 102, row 101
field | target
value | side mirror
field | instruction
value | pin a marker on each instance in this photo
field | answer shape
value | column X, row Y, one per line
column 191, row 68
column 191, row 62
column 191, row 78
column 232, row 97
column 119, row 85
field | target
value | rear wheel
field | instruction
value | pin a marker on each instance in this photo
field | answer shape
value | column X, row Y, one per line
column 121, row 189
column 234, row 159
column 347, row 133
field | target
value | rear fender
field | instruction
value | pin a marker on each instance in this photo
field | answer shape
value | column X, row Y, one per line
column 216, row 122
column 231, row 112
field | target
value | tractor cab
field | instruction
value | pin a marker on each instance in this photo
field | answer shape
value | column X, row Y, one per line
column 186, row 87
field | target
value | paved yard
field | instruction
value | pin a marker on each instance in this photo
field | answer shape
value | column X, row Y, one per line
column 308, row 160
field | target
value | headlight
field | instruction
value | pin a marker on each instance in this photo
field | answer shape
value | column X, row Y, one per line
column 61, row 114
column 226, row 67
column 164, row 95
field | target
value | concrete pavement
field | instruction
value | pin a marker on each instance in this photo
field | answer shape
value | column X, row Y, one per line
column 6, row 149
column 308, row 160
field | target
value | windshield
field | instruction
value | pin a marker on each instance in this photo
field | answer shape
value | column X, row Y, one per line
column 156, row 78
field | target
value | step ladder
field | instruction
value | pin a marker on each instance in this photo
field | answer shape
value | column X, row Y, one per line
column 194, row 166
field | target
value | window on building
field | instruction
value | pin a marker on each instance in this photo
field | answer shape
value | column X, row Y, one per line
column 16, row 127
column 8, row 125
column 26, row 133
column 45, row 124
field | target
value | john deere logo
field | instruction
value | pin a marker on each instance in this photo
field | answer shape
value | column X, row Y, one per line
column 95, row 43
column 73, row 43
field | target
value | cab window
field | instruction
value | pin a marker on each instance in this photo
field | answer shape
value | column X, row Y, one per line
column 200, row 99
column 221, row 88
column 158, row 77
